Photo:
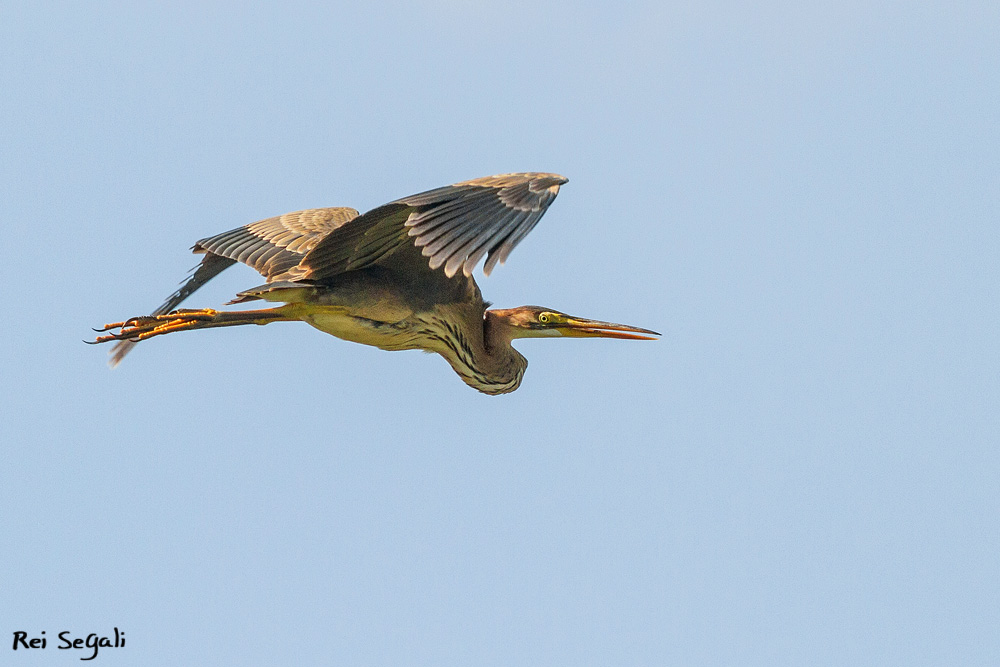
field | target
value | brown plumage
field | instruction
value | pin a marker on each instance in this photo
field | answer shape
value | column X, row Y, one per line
column 398, row 277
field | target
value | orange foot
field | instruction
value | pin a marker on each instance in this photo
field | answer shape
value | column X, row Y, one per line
column 147, row 326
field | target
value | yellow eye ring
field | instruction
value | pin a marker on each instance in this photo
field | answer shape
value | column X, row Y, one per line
column 543, row 318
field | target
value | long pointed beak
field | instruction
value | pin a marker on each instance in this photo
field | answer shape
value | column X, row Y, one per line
column 577, row 327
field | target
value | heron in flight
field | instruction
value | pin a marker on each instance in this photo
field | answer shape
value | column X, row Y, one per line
column 398, row 277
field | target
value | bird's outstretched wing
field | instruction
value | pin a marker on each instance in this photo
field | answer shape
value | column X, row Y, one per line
column 455, row 226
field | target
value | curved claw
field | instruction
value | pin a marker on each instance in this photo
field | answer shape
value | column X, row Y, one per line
column 108, row 327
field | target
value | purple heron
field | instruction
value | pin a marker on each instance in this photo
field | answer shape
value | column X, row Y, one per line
column 398, row 277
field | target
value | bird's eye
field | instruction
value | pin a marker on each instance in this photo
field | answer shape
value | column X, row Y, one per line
column 543, row 318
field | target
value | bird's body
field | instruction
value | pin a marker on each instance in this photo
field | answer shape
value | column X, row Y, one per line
column 384, row 307
column 389, row 278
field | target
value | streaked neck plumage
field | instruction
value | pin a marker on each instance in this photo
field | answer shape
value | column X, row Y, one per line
column 481, row 352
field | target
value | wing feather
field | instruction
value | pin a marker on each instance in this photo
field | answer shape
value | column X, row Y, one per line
column 276, row 245
column 454, row 226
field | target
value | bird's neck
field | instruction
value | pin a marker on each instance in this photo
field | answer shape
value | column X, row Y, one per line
column 487, row 362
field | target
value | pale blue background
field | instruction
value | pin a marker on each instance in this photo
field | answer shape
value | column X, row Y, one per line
column 803, row 197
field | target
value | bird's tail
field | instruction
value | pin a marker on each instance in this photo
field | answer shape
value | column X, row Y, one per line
column 136, row 329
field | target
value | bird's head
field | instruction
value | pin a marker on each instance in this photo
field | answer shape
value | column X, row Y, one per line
column 538, row 322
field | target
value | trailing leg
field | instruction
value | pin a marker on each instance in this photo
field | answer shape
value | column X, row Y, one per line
column 147, row 326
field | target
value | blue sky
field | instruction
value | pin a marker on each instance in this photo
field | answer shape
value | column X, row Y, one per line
column 803, row 199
